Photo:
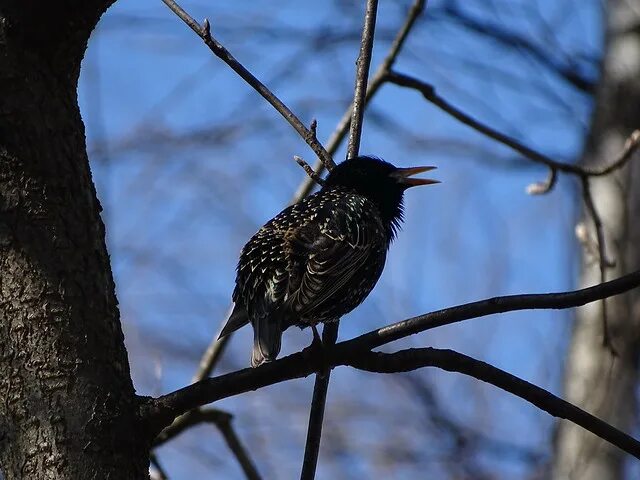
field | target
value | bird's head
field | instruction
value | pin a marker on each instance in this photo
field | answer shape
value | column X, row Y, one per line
column 381, row 182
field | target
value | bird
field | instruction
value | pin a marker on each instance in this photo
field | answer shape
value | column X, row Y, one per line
column 319, row 258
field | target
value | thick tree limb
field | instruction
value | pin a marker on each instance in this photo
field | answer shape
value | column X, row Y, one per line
column 411, row 359
column 161, row 411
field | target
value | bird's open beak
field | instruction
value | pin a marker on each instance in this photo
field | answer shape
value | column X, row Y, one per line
column 403, row 176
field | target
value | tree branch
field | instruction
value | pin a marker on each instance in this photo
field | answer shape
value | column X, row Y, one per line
column 330, row 330
column 222, row 420
column 217, row 345
column 161, row 411
column 204, row 32
column 414, row 358
column 602, row 258
column 377, row 80
column 362, row 76
column 583, row 173
column 428, row 91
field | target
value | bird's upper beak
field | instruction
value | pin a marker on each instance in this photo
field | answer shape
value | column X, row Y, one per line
column 403, row 176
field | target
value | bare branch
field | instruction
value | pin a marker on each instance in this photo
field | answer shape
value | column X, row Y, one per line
column 239, row 450
column 161, row 473
column 307, row 168
column 602, row 258
column 161, row 411
column 412, row 359
column 362, row 76
column 221, row 52
column 540, row 188
column 330, row 330
column 222, row 420
column 428, row 91
column 513, row 38
column 630, row 147
column 377, row 80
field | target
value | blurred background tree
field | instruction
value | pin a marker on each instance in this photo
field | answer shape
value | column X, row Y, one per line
column 189, row 162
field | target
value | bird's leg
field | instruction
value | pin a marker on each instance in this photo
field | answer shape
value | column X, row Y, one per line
column 318, row 345
column 317, row 341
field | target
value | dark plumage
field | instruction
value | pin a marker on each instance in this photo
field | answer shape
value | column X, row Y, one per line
column 319, row 259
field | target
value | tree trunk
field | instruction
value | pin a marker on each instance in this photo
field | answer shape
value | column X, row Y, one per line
column 67, row 404
column 594, row 380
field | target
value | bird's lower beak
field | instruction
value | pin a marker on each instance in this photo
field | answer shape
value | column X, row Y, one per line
column 403, row 176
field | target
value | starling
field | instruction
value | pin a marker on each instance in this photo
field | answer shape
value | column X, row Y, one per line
column 319, row 258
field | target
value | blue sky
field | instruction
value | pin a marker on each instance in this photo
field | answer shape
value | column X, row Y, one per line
column 189, row 162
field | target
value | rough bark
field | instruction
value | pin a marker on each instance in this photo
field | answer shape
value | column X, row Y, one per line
column 594, row 380
column 67, row 404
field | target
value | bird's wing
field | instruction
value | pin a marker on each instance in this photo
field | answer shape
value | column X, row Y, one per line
column 345, row 243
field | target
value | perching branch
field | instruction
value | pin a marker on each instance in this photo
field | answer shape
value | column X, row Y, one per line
column 330, row 330
column 161, row 411
column 204, row 32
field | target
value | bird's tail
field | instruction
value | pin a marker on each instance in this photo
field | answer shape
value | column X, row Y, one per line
column 237, row 319
column 267, row 333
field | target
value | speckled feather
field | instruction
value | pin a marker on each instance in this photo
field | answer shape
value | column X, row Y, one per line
column 332, row 245
column 319, row 259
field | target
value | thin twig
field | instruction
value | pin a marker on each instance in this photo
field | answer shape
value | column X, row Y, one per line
column 602, row 259
column 223, row 421
column 630, row 146
column 362, row 76
column 377, row 80
column 239, row 450
column 316, row 414
column 204, row 32
column 428, row 91
column 540, row 188
column 162, row 474
column 307, row 168
column 330, row 330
